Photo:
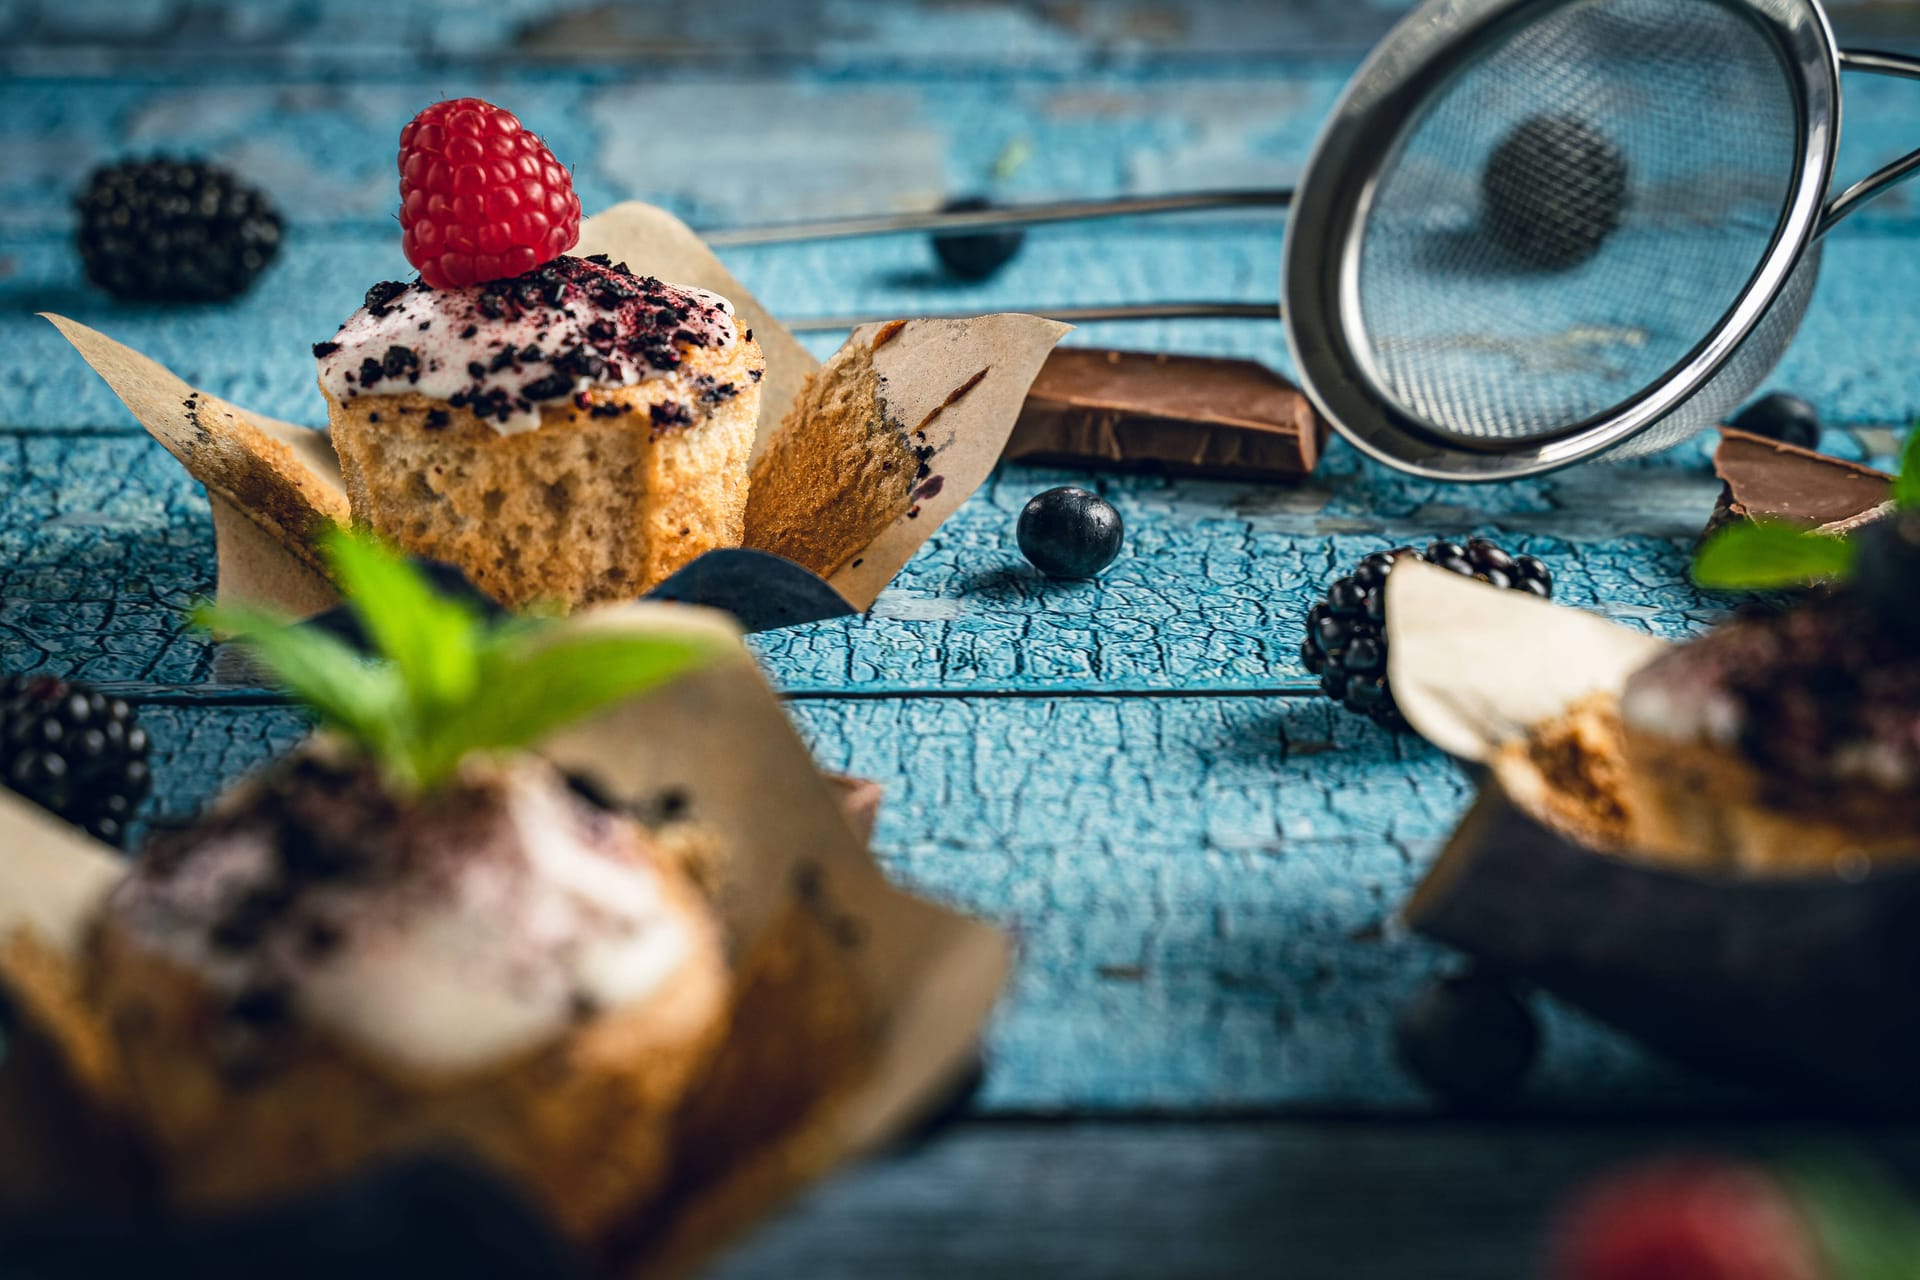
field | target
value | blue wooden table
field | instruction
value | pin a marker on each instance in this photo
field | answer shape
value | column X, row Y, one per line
column 1200, row 858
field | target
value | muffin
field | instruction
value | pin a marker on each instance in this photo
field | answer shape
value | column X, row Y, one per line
column 1788, row 742
column 320, row 973
column 566, row 436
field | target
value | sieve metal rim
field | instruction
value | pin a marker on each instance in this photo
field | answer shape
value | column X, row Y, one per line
column 1320, row 257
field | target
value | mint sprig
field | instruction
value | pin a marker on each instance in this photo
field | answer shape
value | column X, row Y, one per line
column 1761, row 555
column 1866, row 1226
column 1765, row 554
column 1906, row 484
column 446, row 683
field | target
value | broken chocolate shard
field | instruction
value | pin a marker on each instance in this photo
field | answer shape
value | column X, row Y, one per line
column 1185, row 415
column 1765, row 479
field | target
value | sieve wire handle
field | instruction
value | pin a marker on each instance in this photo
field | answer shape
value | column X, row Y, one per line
column 995, row 219
column 1076, row 315
column 1883, row 180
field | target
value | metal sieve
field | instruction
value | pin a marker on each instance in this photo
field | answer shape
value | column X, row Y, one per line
column 1533, row 231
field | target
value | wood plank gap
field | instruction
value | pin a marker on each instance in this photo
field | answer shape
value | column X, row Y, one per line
column 142, row 693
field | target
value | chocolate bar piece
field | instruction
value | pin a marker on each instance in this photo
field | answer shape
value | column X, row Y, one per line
column 1186, row 415
column 1767, row 479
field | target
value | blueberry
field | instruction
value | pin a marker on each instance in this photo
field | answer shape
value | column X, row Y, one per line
column 1469, row 1039
column 1782, row 417
column 1070, row 533
column 975, row 255
column 1553, row 191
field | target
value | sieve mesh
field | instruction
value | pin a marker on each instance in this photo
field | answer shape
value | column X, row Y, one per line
column 1576, row 210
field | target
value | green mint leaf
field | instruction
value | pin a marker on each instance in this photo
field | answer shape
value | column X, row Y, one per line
column 448, row 684
column 361, row 699
column 432, row 639
column 532, row 686
column 1766, row 554
column 1906, row 484
column 1866, row 1227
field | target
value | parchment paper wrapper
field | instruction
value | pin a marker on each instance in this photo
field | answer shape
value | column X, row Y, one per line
column 281, row 483
column 927, row 977
column 1473, row 666
column 1798, row 984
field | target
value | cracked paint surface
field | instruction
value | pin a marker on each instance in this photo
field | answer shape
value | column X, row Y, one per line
column 1200, row 859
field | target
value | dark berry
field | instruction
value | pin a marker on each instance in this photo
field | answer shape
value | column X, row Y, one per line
column 1346, row 598
column 1070, row 533
column 1487, row 558
column 1346, row 633
column 174, row 231
column 1469, row 1039
column 73, row 751
column 1782, row 417
column 1531, row 575
column 975, row 255
column 1553, row 191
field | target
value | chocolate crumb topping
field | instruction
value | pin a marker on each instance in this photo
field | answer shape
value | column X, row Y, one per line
column 511, row 345
column 400, row 362
column 1814, row 693
column 381, row 295
column 261, row 1007
column 552, row 387
column 321, row 350
column 669, row 414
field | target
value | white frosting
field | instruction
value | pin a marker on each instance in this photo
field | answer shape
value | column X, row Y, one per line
column 504, row 349
column 1681, row 714
column 445, row 993
column 478, row 955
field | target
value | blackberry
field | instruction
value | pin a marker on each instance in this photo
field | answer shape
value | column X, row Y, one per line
column 170, row 230
column 975, row 255
column 1782, row 417
column 1553, row 191
column 1346, row 641
column 73, row 751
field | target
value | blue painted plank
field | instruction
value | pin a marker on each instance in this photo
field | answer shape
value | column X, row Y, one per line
column 762, row 146
column 106, row 540
column 99, row 36
column 1201, row 889
column 324, row 149
column 1849, row 357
